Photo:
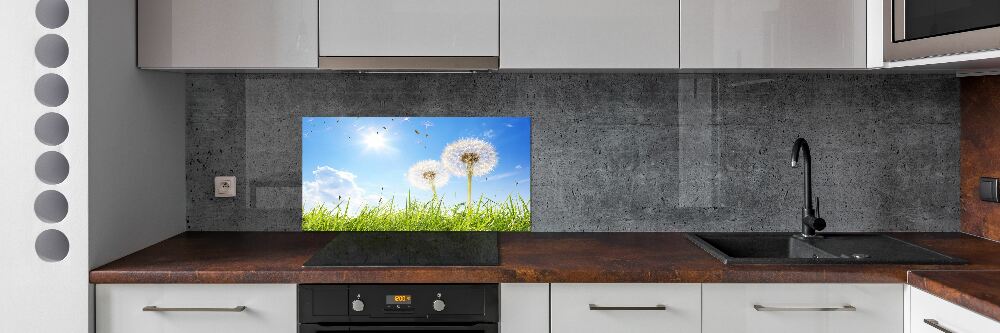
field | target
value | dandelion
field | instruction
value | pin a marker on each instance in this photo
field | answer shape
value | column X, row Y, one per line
column 428, row 175
column 469, row 157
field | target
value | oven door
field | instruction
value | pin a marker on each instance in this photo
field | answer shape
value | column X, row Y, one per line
column 472, row 328
column 916, row 29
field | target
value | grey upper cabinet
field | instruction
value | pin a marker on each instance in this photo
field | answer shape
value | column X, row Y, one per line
column 779, row 34
column 220, row 34
column 589, row 34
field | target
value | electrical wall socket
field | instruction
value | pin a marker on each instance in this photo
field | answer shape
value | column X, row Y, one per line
column 225, row 187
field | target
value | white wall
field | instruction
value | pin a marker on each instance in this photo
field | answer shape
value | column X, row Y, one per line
column 124, row 187
column 137, row 187
column 38, row 295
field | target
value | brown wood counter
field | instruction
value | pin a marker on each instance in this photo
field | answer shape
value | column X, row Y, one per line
column 978, row 291
column 277, row 257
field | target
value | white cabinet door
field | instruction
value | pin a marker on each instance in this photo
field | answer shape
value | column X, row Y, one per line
column 626, row 307
column 227, row 33
column 524, row 308
column 927, row 310
column 594, row 34
column 425, row 28
column 773, row 34
column 270, row 308
column 779, row 307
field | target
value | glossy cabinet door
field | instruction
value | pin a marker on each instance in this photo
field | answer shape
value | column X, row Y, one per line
column 803, row 308
column 930, row 314
column 589, row 34
column 402, row 28
column 524, row 308
column 227, row 34
column 626, row 307
column 774, row 34
column 196, row 308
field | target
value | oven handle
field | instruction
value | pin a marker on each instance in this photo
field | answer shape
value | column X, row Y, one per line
column 313, row 328
column 404, row 328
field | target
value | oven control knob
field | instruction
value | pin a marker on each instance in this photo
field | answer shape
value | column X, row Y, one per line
column 358, row 305
column 438, row 305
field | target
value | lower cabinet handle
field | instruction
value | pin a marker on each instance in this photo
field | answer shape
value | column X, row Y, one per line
column 759, row 307
column 935, row 324
column 154, row 308
column 595, row 307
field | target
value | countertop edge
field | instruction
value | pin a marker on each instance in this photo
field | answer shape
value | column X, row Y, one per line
column 966, row 297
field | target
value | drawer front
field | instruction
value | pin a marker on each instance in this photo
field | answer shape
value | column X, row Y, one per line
column 269, row 308
column 734, row 308
column 634, row 308
column 946, row 315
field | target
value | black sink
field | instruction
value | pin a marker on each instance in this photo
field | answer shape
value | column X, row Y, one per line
column 837, row 248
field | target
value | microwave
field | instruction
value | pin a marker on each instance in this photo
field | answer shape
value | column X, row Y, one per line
column 915, row 29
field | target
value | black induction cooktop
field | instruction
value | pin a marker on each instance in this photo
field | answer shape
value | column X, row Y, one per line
column 463, row 248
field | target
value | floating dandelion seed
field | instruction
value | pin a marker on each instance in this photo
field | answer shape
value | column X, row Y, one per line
column 469, row 157
column 428, row 175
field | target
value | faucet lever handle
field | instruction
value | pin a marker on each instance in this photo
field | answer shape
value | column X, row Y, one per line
column 817, row 206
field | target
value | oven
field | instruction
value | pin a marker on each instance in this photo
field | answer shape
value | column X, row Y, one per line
column 385, row 308
column 916, row 29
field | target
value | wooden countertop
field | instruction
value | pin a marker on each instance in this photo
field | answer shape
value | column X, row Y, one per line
column 978, row 291
column 277, row 257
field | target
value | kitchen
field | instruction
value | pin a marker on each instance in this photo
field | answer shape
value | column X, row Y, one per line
column 599, row 166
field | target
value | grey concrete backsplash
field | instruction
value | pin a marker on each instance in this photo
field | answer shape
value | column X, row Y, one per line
column 615, row 152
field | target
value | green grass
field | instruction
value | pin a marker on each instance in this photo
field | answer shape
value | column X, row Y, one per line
column 511, row 214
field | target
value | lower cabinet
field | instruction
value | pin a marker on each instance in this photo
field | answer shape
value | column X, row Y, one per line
column 930, row 314
column 803, row 308
column 524, row 308
column 195, row 308
column 625, row 307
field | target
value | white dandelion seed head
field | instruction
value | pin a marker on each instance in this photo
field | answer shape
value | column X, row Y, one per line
column 480, row 155
column 425, row 173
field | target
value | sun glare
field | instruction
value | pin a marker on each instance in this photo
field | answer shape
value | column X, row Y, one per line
column 375, row 141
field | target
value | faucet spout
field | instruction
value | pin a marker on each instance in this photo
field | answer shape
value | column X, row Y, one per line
column 810, row 222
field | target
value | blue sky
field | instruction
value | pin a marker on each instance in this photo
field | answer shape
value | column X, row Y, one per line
column 366, row 158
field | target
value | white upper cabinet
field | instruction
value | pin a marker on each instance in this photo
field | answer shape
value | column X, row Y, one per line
column 779, row 34
column 227, row 34
column 589, row 34
column 407, row 28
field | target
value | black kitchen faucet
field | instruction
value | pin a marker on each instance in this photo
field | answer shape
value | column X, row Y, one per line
column 810, row 221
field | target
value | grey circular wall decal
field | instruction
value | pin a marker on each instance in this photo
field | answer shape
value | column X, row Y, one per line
column 51, row 90
column 52, row 245
column 51, row 206
column 51, row 129
column 52, row 167
column 52, row 13
column 51, row 51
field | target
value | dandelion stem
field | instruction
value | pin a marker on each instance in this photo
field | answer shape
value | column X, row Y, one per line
column 468, row 204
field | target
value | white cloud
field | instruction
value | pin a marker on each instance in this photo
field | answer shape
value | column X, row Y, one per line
column 518, row 166
column 331, row 186
column 508, row 124
column 500, row 176
column 489, row 134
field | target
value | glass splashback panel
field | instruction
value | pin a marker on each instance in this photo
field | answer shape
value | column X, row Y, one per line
column 416, row 173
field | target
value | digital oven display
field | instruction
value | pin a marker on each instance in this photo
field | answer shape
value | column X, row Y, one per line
column 398, row 299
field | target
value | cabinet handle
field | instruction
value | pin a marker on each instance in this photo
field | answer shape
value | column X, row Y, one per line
column 595, row 307
column 935, row 324
column 154, row 308
column 759, row 307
